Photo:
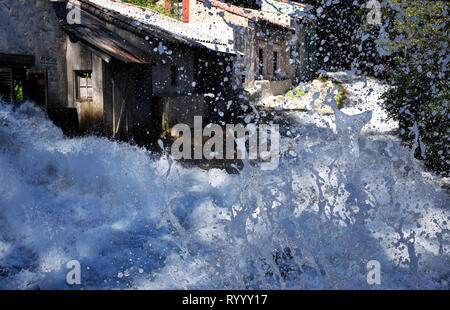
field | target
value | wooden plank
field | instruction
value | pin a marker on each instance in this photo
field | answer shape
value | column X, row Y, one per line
column 6, row 85
column 17, row 60
column 98, row 37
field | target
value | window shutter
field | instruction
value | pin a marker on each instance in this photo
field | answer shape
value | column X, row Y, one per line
column 6, row 84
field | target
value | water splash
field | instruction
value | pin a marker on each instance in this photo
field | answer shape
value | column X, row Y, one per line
column 135, row 220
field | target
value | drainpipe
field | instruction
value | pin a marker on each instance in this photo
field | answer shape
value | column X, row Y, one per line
column 185, row 11
column 168, row 6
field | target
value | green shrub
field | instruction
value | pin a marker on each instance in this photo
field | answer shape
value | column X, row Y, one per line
column 296, row 92
column 417, row 39
column 420, row 97
column 153, row 5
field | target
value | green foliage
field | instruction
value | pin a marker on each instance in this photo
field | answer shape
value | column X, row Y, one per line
column 341, row 93
column 142, row 2
column 85, row 75
column 296, row 92
column 415, row 24
column 153, row 5
column 340, row 96
column 419, row 96
column 322, row 79
column 18, row 91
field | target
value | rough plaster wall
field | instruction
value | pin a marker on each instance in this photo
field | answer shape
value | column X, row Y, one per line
column 299, row 59
column 229, row 27
column 274, row 88
column 271, row 40
column 97, row 73
column 31, row 27
column 201, row 14
column 281, row 7
column 243, row 37
column 181, row 110
column 161, row 72
column 79, row 57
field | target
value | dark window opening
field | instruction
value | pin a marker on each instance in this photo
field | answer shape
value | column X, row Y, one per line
column 37, row 84
column 261, row 61
column 19, row 85
column 275, row 63
column 173, row 75
column 18, row 90
column 83, row 85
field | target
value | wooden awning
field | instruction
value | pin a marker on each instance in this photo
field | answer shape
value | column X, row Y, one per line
column 14, row 60
column 107, row 42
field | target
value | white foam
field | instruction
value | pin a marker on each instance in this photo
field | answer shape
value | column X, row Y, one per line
column 113, row 207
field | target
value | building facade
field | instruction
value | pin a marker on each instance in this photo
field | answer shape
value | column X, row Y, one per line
column 122, row 70
column 275, row 42
column 306, row 64
column 263, row 41
column 32, row 59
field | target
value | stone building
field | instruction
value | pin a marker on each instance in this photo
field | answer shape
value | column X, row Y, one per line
column 274, row 43
column 264, row 42
column 306, row 46
column 147, row 71
column 32, row 59
column 124, row 70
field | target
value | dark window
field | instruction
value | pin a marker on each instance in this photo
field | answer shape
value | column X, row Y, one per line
column 261, row 61
column 275, row 63
column 6, row 85
column 83, row 85
column 37, row 87
column 173, row 75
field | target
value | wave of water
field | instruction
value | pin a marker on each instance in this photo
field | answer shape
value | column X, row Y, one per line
column 137, row 220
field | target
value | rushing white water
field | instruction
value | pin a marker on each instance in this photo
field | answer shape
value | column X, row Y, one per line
column 137, row 220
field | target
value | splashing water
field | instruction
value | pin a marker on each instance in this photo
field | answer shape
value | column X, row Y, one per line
column 136, row 220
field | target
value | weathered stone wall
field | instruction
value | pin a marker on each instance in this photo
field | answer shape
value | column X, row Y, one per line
column 270, row 39
column 247, row 37
column 31, row 27
column 184, row 75
column 181, row 110
column 79, row 57
column 275, row 6
column 201, row 13
column 273, row 88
